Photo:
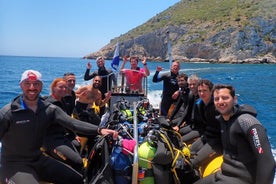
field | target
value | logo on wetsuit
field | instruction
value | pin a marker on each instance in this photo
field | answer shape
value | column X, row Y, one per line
column 256, row 140
column 22, row 122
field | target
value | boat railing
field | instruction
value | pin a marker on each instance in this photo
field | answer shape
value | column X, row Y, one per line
column 124, row 91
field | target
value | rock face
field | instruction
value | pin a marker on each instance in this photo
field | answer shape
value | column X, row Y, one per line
column 253, row 42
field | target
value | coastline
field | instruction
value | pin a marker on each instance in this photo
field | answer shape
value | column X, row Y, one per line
column 228, row 60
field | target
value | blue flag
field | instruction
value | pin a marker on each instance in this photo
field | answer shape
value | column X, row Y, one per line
column 116, row 58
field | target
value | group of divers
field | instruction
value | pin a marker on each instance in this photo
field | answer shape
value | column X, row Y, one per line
column 97, row 133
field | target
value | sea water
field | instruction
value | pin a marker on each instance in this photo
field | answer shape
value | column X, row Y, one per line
column 255, row 83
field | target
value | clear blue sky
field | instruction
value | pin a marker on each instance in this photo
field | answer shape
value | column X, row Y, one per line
column 69, row 28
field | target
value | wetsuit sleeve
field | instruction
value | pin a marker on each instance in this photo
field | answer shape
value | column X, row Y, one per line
column 87, row 76
column 155, row 77
column 260, row 145
column 4, row 122
column 73, row 124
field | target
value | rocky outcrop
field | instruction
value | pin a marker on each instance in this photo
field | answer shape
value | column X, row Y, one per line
column 254, row 42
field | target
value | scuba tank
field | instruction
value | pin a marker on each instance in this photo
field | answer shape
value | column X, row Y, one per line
column 146, row 152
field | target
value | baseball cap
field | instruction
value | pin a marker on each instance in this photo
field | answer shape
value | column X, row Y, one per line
column 100, row 57
column 31, row 75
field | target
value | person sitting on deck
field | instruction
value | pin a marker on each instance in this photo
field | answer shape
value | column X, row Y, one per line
column 134, row 76
column 88, row 103
column 59, row 142
column 23, row 124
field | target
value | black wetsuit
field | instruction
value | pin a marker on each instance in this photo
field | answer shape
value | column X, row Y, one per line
column 193, row 130
column 247, row 156
column 69, row 102
column 58, row 141
column 170, row 85
column 181, row 111
column 209, row 145
column 69, row 106
column 22, row 132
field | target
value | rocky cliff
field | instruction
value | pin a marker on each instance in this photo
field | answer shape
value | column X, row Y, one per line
column 226, row 31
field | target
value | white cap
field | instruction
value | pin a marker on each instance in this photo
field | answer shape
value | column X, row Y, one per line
column 31, row 75
column 100, row 57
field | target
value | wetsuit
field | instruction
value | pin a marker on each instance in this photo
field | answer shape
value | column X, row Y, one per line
column 22, row 132
column 209, row 145
column 180, row 112
column 58, row 142
column 107, row 77
column 69, row 102
column 170, row 85
column 193, row 130
column 69, row 106
column 247, row 156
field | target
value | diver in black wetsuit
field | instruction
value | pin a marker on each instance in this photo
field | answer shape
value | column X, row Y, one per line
column 170, row 85
column 70, row 98
column 59, row 142
column 23, row 124
column 193, row 130
column 208, row 146
column 180, row 113
column 247, row 156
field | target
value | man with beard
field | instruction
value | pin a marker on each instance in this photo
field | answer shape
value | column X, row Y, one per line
column 90, row 96
column 89, row 99
column 108, row 78
column 23, row 125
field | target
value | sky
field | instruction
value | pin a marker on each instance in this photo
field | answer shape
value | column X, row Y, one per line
column 69, row 28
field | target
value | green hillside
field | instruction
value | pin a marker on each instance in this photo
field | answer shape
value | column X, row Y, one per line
column 210, row 30
column 221, row 13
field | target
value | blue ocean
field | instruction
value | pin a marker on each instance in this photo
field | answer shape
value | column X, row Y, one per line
column 255, row 83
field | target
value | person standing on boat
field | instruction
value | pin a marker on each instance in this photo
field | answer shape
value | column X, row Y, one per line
column 134, row 76
column 108, row 78
column 247, row 156
column 170, row 86
column 58, row 141
column 23, row 125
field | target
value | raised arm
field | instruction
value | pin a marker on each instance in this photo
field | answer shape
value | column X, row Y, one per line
column 155, row 77
column 125, row 58
column 144, row 61
column 87, row 75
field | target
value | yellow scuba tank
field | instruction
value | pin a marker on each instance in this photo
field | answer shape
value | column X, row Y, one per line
column 212, row 166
